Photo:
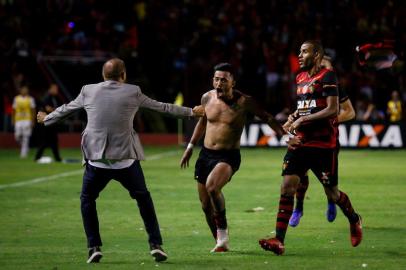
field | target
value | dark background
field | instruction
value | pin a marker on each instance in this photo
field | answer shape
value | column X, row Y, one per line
column 172, row 46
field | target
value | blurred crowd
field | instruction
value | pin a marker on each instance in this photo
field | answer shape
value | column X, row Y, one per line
column 171, row 46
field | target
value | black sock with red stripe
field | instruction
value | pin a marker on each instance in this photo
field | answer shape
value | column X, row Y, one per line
column 284, row 213
column 345, row 204
column 220, row 219
column 301, row 192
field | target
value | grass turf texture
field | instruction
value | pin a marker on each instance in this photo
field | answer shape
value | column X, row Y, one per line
column 41, row 227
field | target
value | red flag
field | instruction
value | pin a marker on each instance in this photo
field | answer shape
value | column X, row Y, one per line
column 377, row 55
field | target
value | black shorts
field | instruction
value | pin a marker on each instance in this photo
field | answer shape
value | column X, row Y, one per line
column 208, row 159
column 322, row 161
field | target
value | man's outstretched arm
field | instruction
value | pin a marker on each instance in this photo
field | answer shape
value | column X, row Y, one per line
column 62, row 111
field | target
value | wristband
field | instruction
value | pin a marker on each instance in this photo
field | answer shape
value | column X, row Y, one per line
column 190, row 146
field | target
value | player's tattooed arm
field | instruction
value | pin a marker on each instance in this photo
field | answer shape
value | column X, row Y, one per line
column 205, row 99
column 200, row 127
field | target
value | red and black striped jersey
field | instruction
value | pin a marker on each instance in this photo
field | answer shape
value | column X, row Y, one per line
column 312, row 93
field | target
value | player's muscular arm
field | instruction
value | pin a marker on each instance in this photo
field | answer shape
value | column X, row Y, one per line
column 346, row 111
column 198, row 133
column 256, row 109
column 199, row 130
column 200, row 127
column 330, row 110
column 205, row 99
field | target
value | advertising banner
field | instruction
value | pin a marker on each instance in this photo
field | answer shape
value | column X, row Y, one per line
column 351, row 135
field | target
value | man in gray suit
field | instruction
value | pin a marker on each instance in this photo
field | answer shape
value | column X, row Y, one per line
column 112, row 150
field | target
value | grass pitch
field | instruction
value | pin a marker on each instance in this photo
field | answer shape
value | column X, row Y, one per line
column 41, row 227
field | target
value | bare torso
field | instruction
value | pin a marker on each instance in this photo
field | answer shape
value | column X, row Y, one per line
column 224, row 122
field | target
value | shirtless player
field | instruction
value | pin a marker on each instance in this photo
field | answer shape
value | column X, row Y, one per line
column 226, row 112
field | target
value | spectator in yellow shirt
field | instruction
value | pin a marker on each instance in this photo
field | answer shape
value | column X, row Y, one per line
column 23, row 119
column 394, row 109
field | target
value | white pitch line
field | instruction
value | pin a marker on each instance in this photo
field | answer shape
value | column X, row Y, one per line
column 76, row 172
column 162, row 155
column 41, row 179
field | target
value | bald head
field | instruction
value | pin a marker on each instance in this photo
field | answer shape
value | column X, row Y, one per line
column 114, row 69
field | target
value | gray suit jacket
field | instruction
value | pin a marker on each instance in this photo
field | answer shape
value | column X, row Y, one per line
column 110, row 108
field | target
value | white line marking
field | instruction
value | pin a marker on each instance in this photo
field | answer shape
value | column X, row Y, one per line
column 76, row 172
column 162, row 155
column 41, row 179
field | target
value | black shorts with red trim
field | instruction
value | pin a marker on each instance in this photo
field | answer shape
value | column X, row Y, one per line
column 208, row 159
column 322, row 161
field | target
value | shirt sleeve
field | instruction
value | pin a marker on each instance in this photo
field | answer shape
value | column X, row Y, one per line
column 66, row 109
column 149, row 103
column 342, row 95
column 330, row 84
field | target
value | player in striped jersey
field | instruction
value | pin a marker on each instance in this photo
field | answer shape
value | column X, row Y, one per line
column 346, row 113
column 316, row 126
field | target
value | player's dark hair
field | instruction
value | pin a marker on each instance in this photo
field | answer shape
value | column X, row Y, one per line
column 317, row 47
column 113, row 69
column 224, row 67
